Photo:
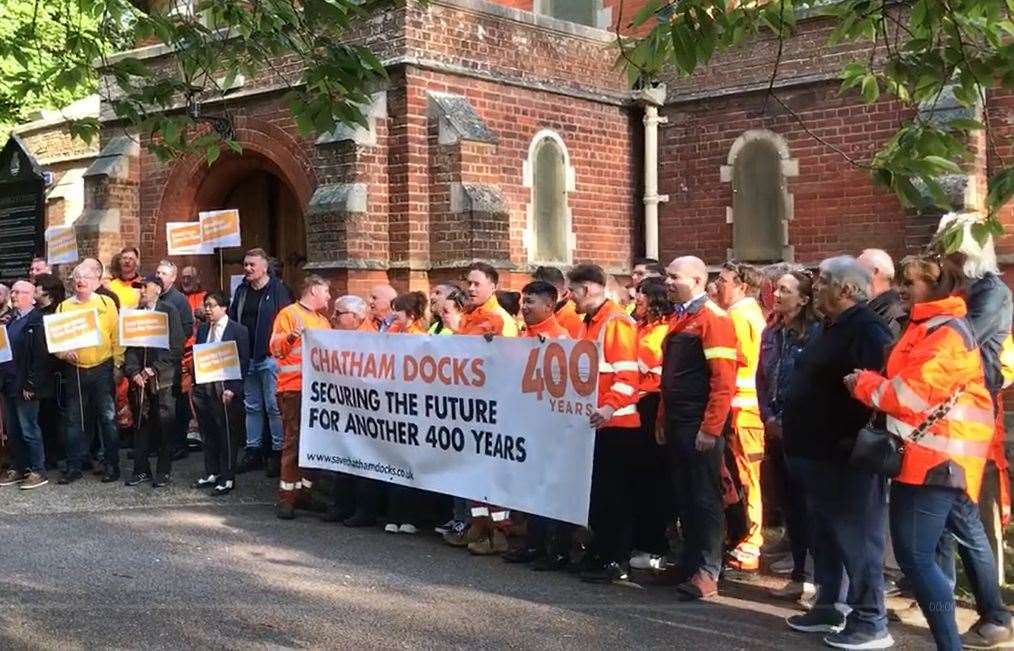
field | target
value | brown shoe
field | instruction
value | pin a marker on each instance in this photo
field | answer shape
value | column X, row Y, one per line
column 493, row 545
column 699, row 586
column 477, row 531
column 10, row 477
column 33, row 480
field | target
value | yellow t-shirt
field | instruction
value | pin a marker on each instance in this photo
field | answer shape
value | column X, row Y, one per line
column 109, row 343
column 129, row 295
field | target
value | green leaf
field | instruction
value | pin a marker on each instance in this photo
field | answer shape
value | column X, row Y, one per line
column 212, row 154
column 965, row 124
column 944, row 164
column 1001, row 189
column 870, row 90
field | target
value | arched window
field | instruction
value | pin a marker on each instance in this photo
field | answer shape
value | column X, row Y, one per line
column 758, row 165
column 583, row 12
column 549, row 175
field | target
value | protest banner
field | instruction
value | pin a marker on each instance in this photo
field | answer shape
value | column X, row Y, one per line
column 235, row 281
column 220, row 228
column 144, row 328
column 216, row 362
column 5, row 346
column 61, row 245
column 71, row 330
column 184, row 238
column 503, row 422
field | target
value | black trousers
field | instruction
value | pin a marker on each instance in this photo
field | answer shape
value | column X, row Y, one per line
column 155, row 418
column 652, row 501
column 697, row 491
column 611, row 516
column 791, row 498
column 221, row 429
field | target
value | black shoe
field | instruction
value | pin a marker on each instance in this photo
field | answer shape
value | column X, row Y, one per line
column 111, row 476
column 523, row 555
column 285, row 511
column 273, row 466
column 99, row 470
column 252, row 460
column 206, row 482
column 608, row 573
column 552, row 563
column 334, row 514
column 588, row 563
column 224, row 488
column 69, row 477
column 360, row 520
column 161, row 481
column 180, row 454
column 137, row 479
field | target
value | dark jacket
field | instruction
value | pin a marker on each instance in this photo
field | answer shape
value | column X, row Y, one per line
column 989, row 313
column 177, row 299
column 820, row 419
column 32, row 368
column 779, row 354
column 276, row 296
column 234, row 331
column 165, row 362
column 889, row 308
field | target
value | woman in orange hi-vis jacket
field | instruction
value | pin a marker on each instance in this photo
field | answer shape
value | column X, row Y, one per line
column 936, row 362
column 652, row 506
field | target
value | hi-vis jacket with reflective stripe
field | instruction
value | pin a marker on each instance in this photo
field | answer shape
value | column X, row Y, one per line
column 649, row 354
column 936, row 356
column 290, row 354
column 488, row 319
column 748, row 322
column 618, row 372
column 699, row 362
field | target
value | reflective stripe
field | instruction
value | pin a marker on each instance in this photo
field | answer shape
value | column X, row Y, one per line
column 622, row 387
column 605, row 367
column 307, row 483
column 745, row 402
column 746, row 382
column 624, row 366
column 480, row 511
column 944, row 444
column 878, row 393
column 970, row 414
column 644, row 368
column 625, row 411
column 907, row 397
column 938, row 321
column 290, row 368
column 720, row 352
column 500, row 516
column 288, row 485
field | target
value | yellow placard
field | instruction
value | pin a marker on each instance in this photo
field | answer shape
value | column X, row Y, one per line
column 220, row 228
column 61, row 245
column 144, row 328
column 216, row 362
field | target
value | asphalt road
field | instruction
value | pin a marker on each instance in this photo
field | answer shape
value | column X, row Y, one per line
column 101, row 566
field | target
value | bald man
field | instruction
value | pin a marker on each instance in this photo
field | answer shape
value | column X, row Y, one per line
column 884, row 298
column 381, row 313
column 699, row 362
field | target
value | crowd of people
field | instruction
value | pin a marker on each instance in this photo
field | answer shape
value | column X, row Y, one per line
column 724, row 399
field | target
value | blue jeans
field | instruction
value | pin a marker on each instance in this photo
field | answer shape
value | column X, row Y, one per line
column 25, row 434
column 847, row 509
column 90, row 391
column 259, row 397
column 920, row 517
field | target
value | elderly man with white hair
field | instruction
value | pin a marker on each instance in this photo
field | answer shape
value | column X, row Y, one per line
column 847, row 507
column 884, row 298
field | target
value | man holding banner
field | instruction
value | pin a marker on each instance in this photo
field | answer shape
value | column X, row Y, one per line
column 154, row 338
column 286, row 345
column 91, row 370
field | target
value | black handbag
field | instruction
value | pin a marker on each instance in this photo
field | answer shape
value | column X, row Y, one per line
column 879, row 451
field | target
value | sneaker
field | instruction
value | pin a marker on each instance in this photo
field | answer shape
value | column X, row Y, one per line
column 206, row 482
column 161, row 481
column 608, row 573
column 111, row 475
column 551, row 563
column 987, row 635
column 450, row 525
column 492, row 545
column 808, row 601
column 252, row 460
column 33, row 480
column 10, row 477
column 224, row 488
column 823, row 620
column 391, row 528
column 856, row 640
column 700, row 586
column 645, row 561
column 409, row 529
column 470, row 534
column 69, row 477
column 743, row 561
column 782, row 566
column 138, row 479
column 794, row 590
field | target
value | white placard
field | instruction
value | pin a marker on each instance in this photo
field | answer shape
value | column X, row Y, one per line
column 61, row 245
column 184, row 238
column 144, row 328
column 216, row 362
column 235, row 281
column 6, row 354
column 220, row 228
column 67, row 331
column 502, row 422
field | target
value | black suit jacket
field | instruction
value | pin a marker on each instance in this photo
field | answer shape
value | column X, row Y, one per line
column 165, row 362
column 233, row 332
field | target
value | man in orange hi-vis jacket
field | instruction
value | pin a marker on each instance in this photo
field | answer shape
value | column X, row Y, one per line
column 286, row 346
column 699, row 362
column 737, row 284
column 616, row 422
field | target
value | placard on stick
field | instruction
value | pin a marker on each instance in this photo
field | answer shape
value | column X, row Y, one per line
column 144, row 328
column 220, row 228
column 67, row 331
column 216, row 362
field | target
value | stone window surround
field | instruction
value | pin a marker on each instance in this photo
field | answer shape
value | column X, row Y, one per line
column 570, row 184
column 790, row 169
column 603, row 15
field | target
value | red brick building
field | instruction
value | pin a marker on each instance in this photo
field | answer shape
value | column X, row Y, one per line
column 506, row 134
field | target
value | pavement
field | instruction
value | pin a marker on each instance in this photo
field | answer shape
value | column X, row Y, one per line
column 106, row 566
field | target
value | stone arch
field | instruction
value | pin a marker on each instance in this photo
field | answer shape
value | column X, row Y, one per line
column 758, row 168
column 564, row 248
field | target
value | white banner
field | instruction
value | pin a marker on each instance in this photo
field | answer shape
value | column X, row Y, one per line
column 235, row 281
column 144, row 329
column 220, row 228
column 184, row 238
column 6, row 354
column 61, row 245
column 503, row 422
column 216, row 362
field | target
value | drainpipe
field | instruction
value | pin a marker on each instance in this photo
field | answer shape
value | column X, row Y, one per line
column 651, row 98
